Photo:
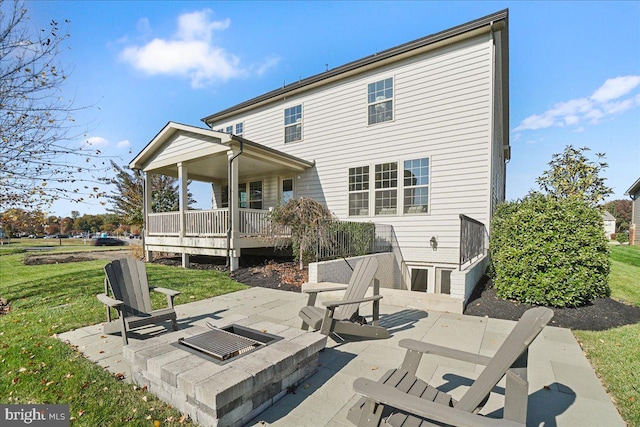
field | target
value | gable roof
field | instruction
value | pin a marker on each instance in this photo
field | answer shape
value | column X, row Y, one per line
column 216, row 144
column 495, row 22
column 606, row 215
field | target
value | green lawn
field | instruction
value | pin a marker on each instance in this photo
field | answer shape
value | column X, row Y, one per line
column 615, row 354
column 35, row 367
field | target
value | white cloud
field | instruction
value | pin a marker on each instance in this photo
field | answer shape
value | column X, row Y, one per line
column 592, row 109
column 96, row 141
column 615, row 88
column 123, row 144
column 191, row 53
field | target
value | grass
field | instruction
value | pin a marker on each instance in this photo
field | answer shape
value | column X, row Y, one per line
column 615, row 353
column 35, row 367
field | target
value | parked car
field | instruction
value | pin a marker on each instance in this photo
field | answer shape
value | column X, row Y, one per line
column 107, row 241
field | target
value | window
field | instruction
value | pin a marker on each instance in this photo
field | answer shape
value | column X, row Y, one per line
column 229, row 129
column 287, row 190
column 239, row 129
column 293, row 124
column 359, row 191
column 380, row 101
column 255, row 195
column 416, row 185
column 242, row 195
column 386, row 193
column 224, row 196
column 443, row 281
column 252, row 200
column 419, row 279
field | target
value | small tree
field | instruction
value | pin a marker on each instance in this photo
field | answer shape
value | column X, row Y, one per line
column 572, row 174
column 127, row 198
column 306, row 217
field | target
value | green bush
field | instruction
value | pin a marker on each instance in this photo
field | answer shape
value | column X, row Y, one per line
column 549, row 251
column 622, row 237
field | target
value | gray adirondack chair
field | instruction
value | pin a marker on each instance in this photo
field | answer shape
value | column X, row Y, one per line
column 126, row 280
column 400, row 398
column 342, row 317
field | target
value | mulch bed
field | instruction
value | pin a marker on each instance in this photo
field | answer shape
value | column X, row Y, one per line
column 601, row 314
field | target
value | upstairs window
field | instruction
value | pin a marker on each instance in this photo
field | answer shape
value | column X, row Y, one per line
column 229, row 129
column 380, row 101
column 239, row 129
column 416, row 185
column 293, row 124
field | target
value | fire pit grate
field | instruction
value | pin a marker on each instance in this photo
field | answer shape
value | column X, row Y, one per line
column 222, row 345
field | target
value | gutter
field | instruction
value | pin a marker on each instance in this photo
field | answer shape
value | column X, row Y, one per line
column 229, row 192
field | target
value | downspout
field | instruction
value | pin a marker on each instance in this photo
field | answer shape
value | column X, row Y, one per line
column 229, row 192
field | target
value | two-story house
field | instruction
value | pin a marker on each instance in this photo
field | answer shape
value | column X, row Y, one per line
column 416, row 137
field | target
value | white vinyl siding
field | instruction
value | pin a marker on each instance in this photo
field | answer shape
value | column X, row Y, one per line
column 442, row 109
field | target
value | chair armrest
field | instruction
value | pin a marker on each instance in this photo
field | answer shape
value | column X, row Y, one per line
column 107, row 300
column 310, row 288
column 331, row 304
column 388, row 395
column 167, row 292
column 451, row 353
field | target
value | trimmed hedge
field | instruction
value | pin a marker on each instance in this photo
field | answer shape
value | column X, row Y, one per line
column 549, row 251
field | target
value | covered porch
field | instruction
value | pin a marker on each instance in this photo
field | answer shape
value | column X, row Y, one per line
column 246, row 179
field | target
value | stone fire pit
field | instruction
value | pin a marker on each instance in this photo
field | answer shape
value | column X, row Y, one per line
column 235, row 391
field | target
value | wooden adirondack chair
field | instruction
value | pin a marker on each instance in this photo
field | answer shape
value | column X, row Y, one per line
column 400, row 398
column 342, row 317
column 126, row 280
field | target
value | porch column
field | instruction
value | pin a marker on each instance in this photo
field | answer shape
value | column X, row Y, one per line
column 234, row 213
column 183, row 201
column 146, row 210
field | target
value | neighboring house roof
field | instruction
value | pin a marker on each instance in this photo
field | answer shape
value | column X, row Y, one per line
column 607, row 216
column 495, row 22
column 633, row 189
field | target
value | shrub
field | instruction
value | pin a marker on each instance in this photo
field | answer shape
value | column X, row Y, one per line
column 622, row 237
column 549, row 251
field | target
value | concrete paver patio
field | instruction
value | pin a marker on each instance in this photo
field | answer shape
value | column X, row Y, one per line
column 563, row 388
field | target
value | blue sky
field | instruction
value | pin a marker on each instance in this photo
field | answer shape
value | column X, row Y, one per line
column 574, row 67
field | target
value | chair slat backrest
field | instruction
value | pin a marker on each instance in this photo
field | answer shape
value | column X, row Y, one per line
column 517, row 342
column 128, row 281
column 361, row 279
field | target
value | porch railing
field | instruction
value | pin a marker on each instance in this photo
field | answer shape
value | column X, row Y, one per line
column 164, row 224
column 473, row 240
column 206, row 223
column 337, row 239
column 213, row 223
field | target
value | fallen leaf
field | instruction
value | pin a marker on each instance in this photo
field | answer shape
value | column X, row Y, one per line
column 156, row 423
column 374, row 368
column 632, row 399
column 69, row 375
column 183, row 418
column 15, row 380
column 22, row 369
column 148, row 417
column 144, row 398
column 601, row 340
column 80, row 413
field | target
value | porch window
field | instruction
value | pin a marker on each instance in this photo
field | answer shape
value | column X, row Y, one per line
column 293, row 124
column 287, row 190
column 255, row 195
column 386, row 193
column 416, row 185
column 253, row 199
column 242, row 195
column 380, row 101
column 359, row 191
column 239, row 129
